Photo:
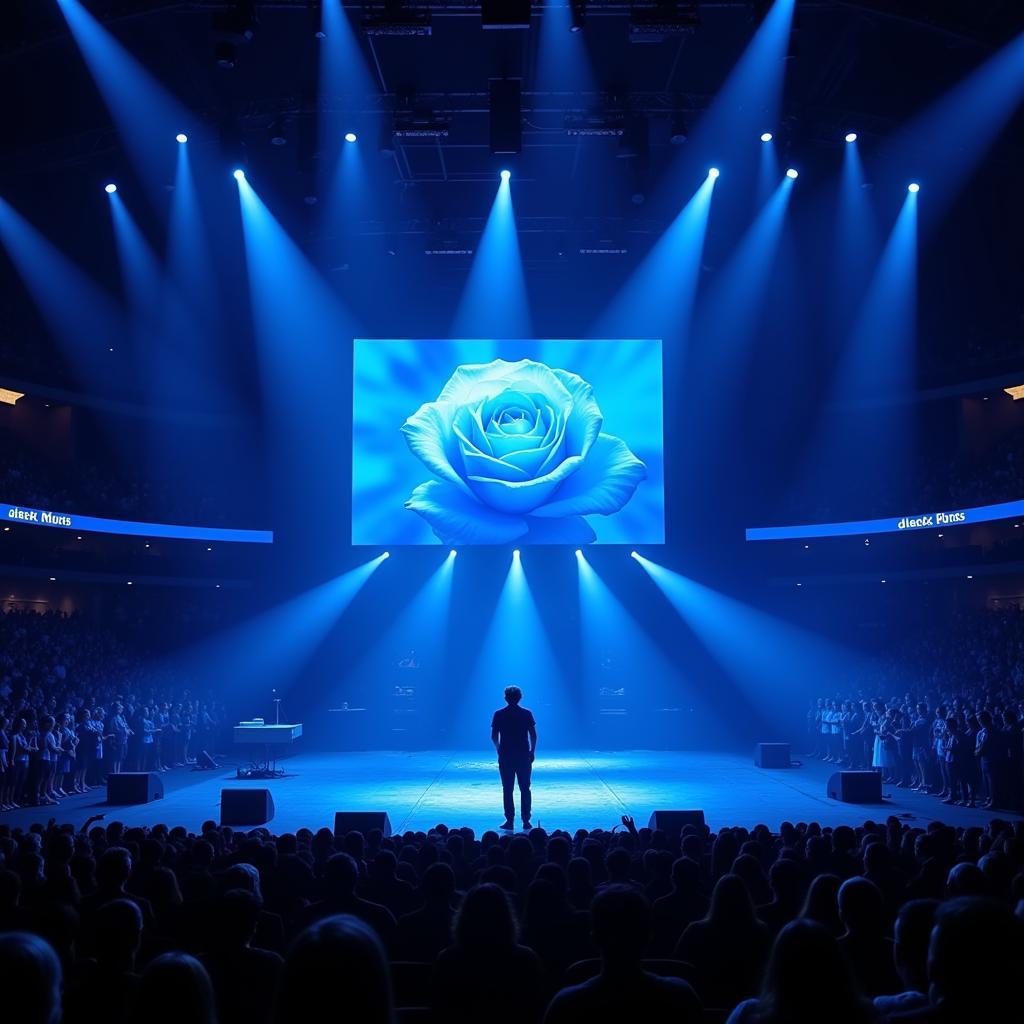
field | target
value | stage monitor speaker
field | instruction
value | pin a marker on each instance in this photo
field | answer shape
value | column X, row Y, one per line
column 772, row 755
column 855, row 787
column 134, row 788
column 672, row 823
column 205, row 760
column 361, row 821
column 246, row 806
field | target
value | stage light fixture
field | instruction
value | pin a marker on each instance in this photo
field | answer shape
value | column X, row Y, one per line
column 181, row 137
column 239, row 174
column 452, row 553
column 713, row 172
column 578, row 9
column 792, row 173
column 505, row 175
column 110, row 188
column 387, row 554
column 913, row 187
column 766, row 136
column 633, row 554
column 851, row 136
column 515, row 553
column 350, row 136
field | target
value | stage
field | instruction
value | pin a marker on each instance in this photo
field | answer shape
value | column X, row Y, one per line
column 571, row 789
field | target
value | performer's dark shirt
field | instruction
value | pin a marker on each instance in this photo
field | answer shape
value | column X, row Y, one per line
column 513, row 724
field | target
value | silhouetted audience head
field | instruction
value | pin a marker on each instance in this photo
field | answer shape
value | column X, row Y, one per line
column 485, row 920
column 912, row 935
column 861, row 907
column 965, row 880
column 807, row 980
column 175, row 989
column 315, row 985
column 341, row 874
column 731, row 906
column 822, row 903
column 620, row 923
column 438, row 885
column 974, row 959
column 118, row 933
column 31, row 979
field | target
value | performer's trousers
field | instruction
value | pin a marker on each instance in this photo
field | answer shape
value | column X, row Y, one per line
column 513, row 767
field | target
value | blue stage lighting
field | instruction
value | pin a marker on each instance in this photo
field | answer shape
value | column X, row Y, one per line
column 792, row 173
column 515, row 554
column 913, row 187
column 110, row 188
column 579, row 552
column 713, row 172
column 239, row 174
column 181, row 137
column 505, row 175
column 633, row 554
column 387, row 554
column 452, row 553
column 766, row 136
column 851, row 136
column 350, row 136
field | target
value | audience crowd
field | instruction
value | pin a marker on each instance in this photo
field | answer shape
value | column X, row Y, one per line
column 875, row 923
column 943, row 715
column 91, row 488
column 77, row 703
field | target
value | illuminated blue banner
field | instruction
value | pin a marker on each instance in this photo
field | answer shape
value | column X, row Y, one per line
column 70, row 521
column 901, row 524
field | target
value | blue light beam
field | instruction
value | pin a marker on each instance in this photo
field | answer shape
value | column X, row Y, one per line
column 147, row 117
column 494, row 302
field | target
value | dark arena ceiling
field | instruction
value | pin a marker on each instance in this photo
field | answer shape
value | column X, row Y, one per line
column 247, row 73
column 871, row 64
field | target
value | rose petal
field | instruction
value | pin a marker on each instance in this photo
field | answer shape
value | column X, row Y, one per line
column 514, row 497
column 458, row 519
column 475, row 381
column 585, row 418
column 570, row 530
column 428, row 432
column 530, row 462
column 602, row 485
column 476, row 432
column 478, row 464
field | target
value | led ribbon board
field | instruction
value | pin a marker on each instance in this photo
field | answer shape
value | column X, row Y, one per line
column 899, row 524
column 69, row 521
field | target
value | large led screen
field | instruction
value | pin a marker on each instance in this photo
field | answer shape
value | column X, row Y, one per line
column 462, row 442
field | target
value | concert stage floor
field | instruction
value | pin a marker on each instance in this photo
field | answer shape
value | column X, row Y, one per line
column 572, row 789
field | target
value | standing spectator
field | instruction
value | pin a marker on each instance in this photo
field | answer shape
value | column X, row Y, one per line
column 121, row 732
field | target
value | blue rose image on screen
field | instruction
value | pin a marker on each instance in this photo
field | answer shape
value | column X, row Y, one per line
column 517, row 453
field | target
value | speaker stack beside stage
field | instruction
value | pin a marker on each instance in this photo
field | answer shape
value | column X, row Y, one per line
column 361, row 821
column 134, row 788
column 855, row 787
column 672, row 823
column 246, row 806
column 772, row 755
